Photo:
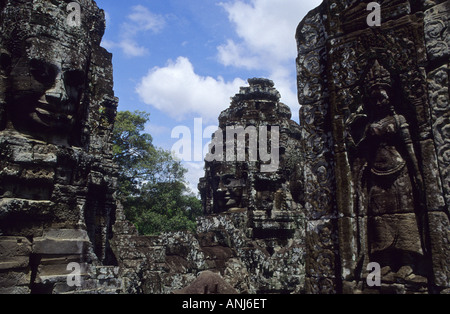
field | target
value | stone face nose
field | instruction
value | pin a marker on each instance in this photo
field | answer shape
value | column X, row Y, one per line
column 57, row 93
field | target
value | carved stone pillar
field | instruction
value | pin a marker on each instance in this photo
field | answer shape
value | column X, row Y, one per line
column 57, row 179
column 337, row 50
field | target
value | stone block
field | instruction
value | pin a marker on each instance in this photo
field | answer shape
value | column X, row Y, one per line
column 62, row 242
column 437, row 33
column 14, row 253
column 14, row 246
column 15, row 278
column 14, row 262
column 440, row 248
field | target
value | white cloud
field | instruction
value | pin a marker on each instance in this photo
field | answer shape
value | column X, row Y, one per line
column 266, row 40
column 140, row 20
column 132, row 49
column 266, row 28
column 195, row 172
column 128, row 46
column 236, row 55
column 181, row 93
column 155, row 129
column 107, row 18
column 287, row 86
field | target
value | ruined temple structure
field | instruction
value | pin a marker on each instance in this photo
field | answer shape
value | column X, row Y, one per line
column 362, row 183
column 251, row 239
column 57, row 179
column 375, row 129
column 272, row 199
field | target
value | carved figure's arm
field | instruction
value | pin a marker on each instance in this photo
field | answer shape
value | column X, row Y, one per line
column 411, row 155
column 353, row 120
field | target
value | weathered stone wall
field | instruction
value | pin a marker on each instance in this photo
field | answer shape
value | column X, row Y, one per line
column 57, row 178
column 219, row 252
column 375, row 89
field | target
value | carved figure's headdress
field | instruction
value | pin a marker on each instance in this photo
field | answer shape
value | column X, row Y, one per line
column 377, row 76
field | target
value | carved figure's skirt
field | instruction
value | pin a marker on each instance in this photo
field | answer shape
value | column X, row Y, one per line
column 392, row 219
column 395, row 232
column 391, row 194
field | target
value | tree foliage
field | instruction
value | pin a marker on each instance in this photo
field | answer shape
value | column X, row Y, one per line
column 152, row 186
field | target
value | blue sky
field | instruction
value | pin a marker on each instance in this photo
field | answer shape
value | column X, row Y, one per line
column 182, row 60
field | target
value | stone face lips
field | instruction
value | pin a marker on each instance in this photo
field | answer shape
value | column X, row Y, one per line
column 57, row 179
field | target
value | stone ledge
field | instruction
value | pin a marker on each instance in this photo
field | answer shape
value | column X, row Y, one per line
column 11, row 247
column 14, row 262
column 62, row 242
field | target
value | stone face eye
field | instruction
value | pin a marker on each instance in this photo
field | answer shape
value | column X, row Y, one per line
column 5, row 61
column 43, row 72
column 74, row 78
column 226, row 181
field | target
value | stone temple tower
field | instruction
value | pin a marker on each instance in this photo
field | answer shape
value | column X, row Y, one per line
column 239, row 177
column 57, row 178
column 375, row 120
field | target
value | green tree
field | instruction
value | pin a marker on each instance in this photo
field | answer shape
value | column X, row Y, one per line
column 152, row 186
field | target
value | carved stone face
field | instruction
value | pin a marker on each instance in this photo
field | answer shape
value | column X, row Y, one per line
column 46, row 86
column 228, row 191
column 379, row 98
